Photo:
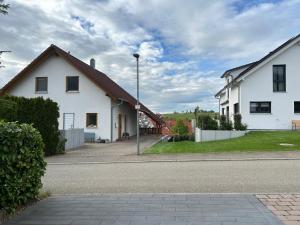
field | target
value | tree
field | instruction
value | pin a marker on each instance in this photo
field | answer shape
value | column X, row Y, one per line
column 3, row 7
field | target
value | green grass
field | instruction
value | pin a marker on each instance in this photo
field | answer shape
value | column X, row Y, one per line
column 188, row 116
column 253, row 141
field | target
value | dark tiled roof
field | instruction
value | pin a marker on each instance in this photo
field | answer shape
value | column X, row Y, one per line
column 111, row 88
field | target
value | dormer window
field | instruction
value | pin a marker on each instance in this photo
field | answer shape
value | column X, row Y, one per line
column 72, row 84
column 41, row 84
column 279, row 78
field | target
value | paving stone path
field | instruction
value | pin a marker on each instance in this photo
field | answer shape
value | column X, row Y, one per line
column 285, row 206
column 148, row 209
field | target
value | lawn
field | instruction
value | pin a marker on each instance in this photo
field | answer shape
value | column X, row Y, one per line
column 253, row 141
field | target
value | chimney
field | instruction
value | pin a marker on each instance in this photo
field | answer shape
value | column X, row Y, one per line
column 92, row 63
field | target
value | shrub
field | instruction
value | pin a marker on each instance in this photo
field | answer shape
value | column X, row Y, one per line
column 206, row 122
column 8, row 110
column 180, row 128
column 42, row 113
column 21, row 164
column 238, row 125
column 225, row 124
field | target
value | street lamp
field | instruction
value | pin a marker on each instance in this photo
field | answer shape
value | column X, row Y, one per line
column 137, row 107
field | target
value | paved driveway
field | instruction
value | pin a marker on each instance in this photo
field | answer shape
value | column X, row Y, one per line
column 148, row 209
column 96, row 152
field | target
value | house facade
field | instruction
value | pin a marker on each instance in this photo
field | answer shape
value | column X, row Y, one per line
column 87, row 98
column 266, row 92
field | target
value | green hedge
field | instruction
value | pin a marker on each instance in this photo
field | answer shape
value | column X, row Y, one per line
column 21, row 164
column 42, row 113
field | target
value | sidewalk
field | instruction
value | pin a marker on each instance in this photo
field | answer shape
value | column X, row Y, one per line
column 148, row 209
column 91, row 156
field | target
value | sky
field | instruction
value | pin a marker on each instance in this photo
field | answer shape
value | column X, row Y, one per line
column 185, row 46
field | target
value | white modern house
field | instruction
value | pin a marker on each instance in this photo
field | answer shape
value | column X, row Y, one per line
column 266, row 92
column 87, row 98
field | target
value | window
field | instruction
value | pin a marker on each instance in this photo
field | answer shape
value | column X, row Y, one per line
column 223, row 111
column 297, row 107
column 279, row 78
column 260, row 107
column 236, row 108
column 227, row 112
column 72, row 84
column 91, row 120
column 41, row 84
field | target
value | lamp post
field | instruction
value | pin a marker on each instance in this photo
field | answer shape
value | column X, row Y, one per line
column 137, row 107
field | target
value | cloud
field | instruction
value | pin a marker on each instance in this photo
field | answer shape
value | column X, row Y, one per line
column 184, row 47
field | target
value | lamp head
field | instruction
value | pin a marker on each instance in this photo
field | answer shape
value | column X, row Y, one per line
column 136, row 55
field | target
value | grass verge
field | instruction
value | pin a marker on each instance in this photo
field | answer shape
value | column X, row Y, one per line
column 251, row 142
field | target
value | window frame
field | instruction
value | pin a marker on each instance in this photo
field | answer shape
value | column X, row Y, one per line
column 87, row 120
column 36, row 85
column 276, row 81
column 295, row 107
column 259, row 107
column 70, row 91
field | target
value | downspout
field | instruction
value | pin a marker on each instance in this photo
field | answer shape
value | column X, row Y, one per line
column 112, row 118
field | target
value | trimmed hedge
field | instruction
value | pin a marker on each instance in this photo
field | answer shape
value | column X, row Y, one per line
column 21, row 164
column 42, row 113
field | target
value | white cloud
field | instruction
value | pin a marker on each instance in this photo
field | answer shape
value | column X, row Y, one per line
column 184, row 47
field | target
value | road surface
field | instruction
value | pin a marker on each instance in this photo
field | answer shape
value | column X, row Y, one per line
column 261, row 176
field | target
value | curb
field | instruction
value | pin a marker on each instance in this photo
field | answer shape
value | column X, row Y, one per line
column 188, row 160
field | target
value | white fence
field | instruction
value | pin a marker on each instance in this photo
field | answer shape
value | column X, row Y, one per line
column 75, row 138
column 214, row 135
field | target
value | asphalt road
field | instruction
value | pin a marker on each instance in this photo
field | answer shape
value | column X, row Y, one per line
column 266, row 176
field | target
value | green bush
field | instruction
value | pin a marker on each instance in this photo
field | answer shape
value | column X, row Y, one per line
column 21, row 164
column 42, row 113
column 225, row 124
column 8, row 110
column 238, row 125
column 206, row 122
column 180, row 128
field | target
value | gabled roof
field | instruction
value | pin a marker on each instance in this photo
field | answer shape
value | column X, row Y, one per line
column 111, row 88
column 237, row 68
column 251, row 66
column 263, row 59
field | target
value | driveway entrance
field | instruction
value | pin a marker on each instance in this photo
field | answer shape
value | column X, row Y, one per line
column 96, row 152
column 148, row 209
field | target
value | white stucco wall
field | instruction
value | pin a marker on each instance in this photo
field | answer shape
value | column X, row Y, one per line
column 89, row 99
column 258, row 86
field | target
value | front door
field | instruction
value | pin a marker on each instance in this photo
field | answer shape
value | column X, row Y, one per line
column 68, row 122
column 120, row 126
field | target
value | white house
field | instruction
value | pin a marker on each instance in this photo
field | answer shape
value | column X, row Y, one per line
column 87, row 98
column 266, row 92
